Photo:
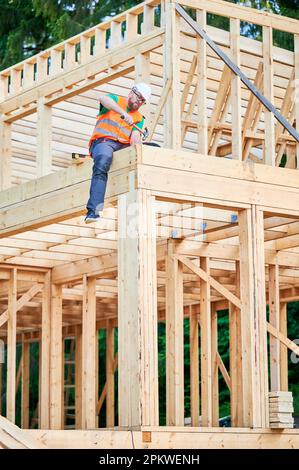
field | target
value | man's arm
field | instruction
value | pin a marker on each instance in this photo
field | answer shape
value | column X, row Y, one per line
column 135, row 138
column 109, row 103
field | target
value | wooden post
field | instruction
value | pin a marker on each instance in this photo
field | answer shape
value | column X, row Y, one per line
column 70, row 56
column 235, row 359
column 5, row 155
column 63, row 380
column 163, row 13
column 100, row 42
column 42, row 68
column 214, row 366
column 11, row 346
column 284, row 386
column 38, row 407
column 56, row 385
column 247, row 312
column 202, row 145
column 97, row 376
column 28, row 76
column 1, row 378
column 137, row 310
column 2, row 361
column 194, row 367
column 131, row 26
column 174, row 339
column 109, row 374
column 142, row 74
column 148, row 19
column 44, row 399
column 15, row 80
column 205, row 346
column 260, row 319
column 44, row 139
column 172, row 122
column 253, row 318
column 296, row 64
column 84, row 49
column 116, row 36
column 274, row 309
column 55, row 63
column 78, row 378
column 3, row 87
column 89, row 339
column 269, row 150
column 25, row 384
column 236, row 91
column 142, row 68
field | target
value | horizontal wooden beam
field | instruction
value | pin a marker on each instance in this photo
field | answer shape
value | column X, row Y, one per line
column 174, row 437
column 64, row 81
column 91, row 83
column 105, row 264
column 58, row 196
column 213, row 166
column 33, row 276
column 95, row 266
column 63, row 179
column 245, row 13
column 227, row 251
column 177, row 174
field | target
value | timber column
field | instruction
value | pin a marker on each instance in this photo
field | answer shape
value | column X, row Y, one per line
column 253, row 319
column 171, row 55
column 137, row 310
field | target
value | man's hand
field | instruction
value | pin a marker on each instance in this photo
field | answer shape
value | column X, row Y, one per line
column 135, row 138
column 127, row 118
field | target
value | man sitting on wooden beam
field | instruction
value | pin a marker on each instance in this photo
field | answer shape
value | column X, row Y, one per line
column 119, row 124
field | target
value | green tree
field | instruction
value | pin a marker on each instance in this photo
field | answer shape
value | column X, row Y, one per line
column 66, row 18
column 22, row 33
column 30, row 26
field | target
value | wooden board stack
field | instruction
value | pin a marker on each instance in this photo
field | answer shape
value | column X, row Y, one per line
column 281, row 409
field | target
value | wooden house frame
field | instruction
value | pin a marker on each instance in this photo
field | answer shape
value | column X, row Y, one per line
column 205, row 223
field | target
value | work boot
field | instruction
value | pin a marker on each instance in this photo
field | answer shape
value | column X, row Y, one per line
column 91, row 217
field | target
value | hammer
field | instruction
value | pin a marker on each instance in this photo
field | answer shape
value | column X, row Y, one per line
column 144, row 133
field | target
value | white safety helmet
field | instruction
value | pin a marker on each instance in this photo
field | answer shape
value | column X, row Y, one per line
column 144, row 90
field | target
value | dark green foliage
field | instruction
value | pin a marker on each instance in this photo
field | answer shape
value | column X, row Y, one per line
column 293, row 334
column 223, row 349
column 22, row 32
column 102, row 373
column 33, row 391
column 283, row 161
column 162, row 372
column 30, row 26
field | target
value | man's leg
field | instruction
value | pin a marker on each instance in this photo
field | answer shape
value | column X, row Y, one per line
column 102, row 154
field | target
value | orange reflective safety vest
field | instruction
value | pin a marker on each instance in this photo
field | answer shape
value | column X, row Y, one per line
column 112, row 126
